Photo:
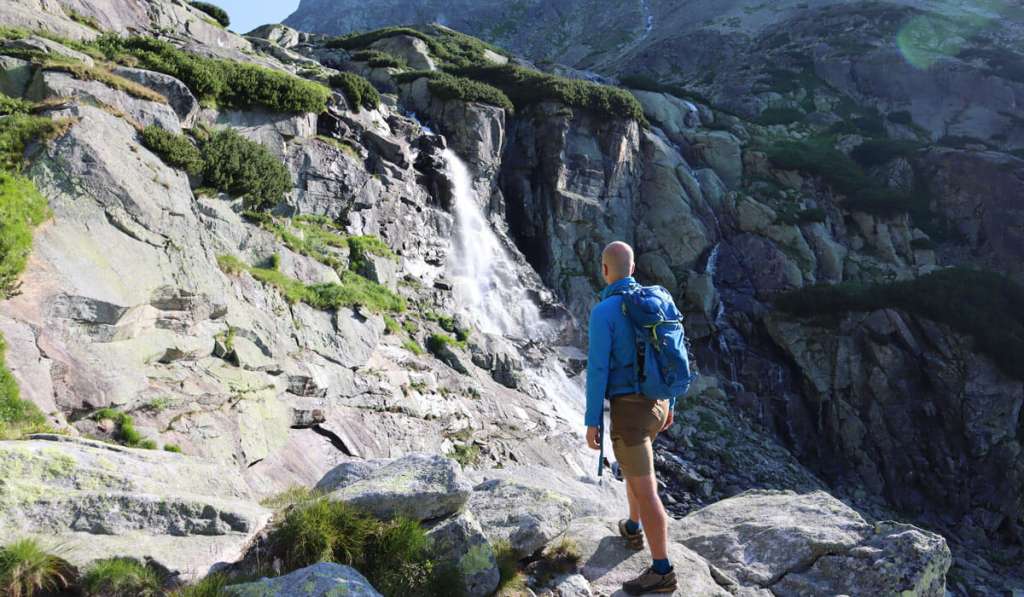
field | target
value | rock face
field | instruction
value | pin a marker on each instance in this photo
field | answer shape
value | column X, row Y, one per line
column 464, row 545
column 101, row 501
column 810, row 545
column 319, row 580
column 527, row 518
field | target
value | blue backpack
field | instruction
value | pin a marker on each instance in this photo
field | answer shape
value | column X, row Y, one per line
column 662, row 360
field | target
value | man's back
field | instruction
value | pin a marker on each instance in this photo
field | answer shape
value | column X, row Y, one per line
column 611, row 363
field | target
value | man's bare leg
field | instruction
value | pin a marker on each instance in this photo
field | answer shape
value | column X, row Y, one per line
column 644, row 492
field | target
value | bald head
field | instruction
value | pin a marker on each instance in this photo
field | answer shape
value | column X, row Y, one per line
column 617, row 261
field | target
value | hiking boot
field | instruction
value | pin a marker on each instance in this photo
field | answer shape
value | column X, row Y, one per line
column 651, row 582
column 634, row 541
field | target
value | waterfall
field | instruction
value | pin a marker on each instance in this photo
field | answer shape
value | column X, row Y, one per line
column 490, row 291
column 485, row 283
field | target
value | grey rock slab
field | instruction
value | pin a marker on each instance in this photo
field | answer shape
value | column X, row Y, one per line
column 411, row 49
column 607, row 562
column 15, row 76
column 587, row 496
column 177, row 93
column 319, row 580
column 462, row 543
column 102, row 500
column 527, row 518
column 35, row 43
column 275, row 131
column 419, row 486
column 145, row 112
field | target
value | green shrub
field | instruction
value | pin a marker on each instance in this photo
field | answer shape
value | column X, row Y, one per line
column 465, row 454
column 450, row 48
column 986, row 306
column 359, row 92
column 220, row 83
column 780, row 116
column 378, row 59
column 27, row 570
column 175, row 150
column 218, row 13
column 245, row 168
column 120, row 577
column 876, row 152
column 12, row 105
column 450, row 87
column 647, row 83
column 524, row 87
column 17, row 132
column 173, row 448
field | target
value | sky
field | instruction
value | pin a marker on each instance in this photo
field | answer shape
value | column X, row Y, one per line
column 247, row 15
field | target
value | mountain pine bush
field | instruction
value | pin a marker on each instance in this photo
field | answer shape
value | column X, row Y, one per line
column 218, row 13
column 245, row 168
column 359, row 92
column 175, row 150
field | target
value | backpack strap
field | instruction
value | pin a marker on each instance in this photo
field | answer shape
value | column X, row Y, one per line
column 638, row 356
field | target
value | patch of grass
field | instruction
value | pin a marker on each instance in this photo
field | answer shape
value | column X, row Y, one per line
column 378, row 59
column 210, row 586
column 222, row 83
column 102, row 75
column 346, row 147
column 219, row 14
column 391, row 325
column 393, row 555
column 525, row 87
column 413, row 347
column 354, row 290
column 22, row 209
column 986, row 306
column 126, row 432
column 436, row 343
column 81, row 19
column 244, row 168
column 297, row 494
column 359, row 92
column 17, row 132
column 362, row 247
column 177, row 151
column 173, row 448
column 465, row 454
column 27, row 569
column 512, row 578
column 121, row 577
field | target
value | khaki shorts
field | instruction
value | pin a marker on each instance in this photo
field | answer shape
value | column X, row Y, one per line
column 636, row 421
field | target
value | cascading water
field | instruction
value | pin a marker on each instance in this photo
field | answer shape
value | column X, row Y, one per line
column 491, row 293
column 484, row 276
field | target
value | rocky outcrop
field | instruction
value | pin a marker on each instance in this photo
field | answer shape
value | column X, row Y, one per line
column 319, row 580
column 824, row 543
column 99, row 501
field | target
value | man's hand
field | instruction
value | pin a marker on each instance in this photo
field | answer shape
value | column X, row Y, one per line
column 593, row 438
column 668, row 421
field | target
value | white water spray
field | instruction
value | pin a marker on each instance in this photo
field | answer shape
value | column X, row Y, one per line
column 484, row 275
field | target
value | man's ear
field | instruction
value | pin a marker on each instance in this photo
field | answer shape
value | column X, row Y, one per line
column 604, row 268
column 632, row 269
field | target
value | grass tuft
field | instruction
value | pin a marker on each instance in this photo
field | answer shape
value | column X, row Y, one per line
column 27, row 570
column 102, row 75
column 121, row 577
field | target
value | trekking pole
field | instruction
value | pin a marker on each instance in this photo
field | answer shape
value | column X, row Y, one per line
column 600, row 454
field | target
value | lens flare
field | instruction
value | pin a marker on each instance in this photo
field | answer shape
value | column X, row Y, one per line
column 928, row 38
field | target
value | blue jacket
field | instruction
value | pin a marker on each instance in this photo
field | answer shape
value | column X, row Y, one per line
column 611, row 360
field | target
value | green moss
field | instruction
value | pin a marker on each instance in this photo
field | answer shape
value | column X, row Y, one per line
column 121, row 577
column 359, row 92
column 219, row 14
column 986, row 306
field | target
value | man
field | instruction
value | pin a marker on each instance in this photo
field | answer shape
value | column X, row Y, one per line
column 635, row 420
